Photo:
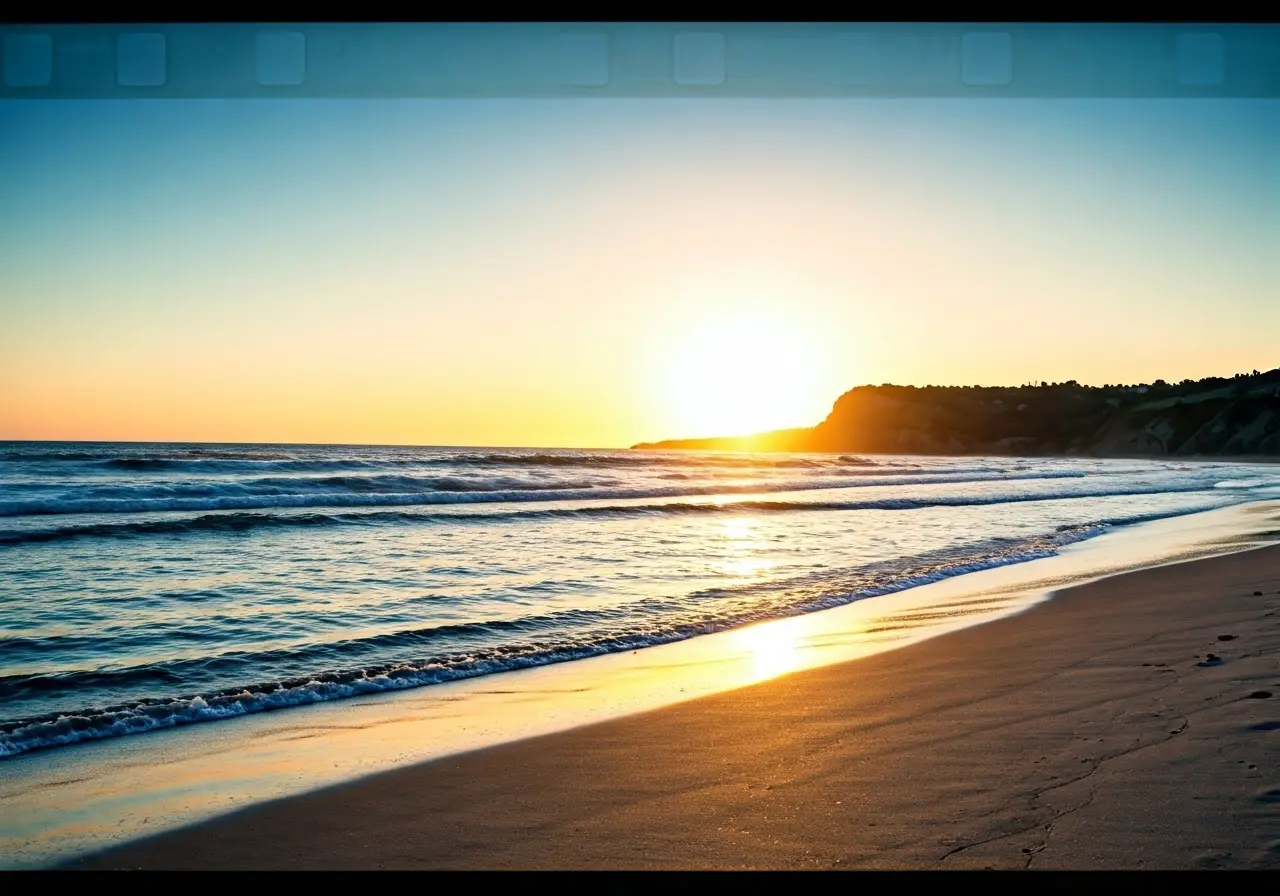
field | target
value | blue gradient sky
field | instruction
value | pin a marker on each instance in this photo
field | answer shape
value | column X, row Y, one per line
column 559, row 272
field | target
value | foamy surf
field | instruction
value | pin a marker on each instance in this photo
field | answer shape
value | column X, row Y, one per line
column 595, row 637
column 192, row 584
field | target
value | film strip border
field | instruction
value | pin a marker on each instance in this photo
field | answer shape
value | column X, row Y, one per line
column 619, row 60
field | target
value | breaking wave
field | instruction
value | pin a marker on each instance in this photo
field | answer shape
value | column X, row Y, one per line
column 529, row 641
column 365, row 491
column 234, row 522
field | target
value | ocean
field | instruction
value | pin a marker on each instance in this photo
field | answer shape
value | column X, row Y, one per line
column 152, row 586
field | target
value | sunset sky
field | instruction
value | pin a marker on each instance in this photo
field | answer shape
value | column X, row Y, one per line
column 597, row 273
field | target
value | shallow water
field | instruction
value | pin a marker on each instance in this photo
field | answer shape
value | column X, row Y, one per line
column 66, row 802
column 145, row 587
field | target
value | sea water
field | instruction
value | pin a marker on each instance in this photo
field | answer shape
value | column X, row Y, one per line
column 152, row 586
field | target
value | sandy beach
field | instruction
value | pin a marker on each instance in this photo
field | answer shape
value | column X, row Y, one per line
column 1089, row 732
column 634, row 446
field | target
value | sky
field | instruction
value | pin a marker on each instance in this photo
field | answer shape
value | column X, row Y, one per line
column 595, row 273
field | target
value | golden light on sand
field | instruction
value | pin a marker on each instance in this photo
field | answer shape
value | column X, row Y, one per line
column 773, row 648
column 741, row 374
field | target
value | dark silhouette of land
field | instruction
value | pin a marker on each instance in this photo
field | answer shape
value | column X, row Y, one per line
column 1214, row 417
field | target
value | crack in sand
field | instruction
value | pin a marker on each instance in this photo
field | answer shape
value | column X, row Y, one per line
column 1048, row 828
column 1038, row 794
column 1031, row 827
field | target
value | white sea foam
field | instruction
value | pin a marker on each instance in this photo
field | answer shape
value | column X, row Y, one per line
column 159, row 586
column 239, row 497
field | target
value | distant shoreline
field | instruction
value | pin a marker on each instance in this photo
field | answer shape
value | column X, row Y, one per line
column 1196, row 458
column 1236, row 418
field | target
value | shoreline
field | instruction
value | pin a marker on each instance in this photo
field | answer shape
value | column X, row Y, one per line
column 74, row 802
column 1170, row 458
column 721, row 782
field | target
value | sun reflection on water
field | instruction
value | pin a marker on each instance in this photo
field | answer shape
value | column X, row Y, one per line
column 744, row 566
column 740, row 529
column 741, row 540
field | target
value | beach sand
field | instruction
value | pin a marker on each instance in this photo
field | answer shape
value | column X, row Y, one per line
column 1083, row 733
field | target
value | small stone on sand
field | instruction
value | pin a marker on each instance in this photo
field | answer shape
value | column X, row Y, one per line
column 1259, row 695
column 1226, row 637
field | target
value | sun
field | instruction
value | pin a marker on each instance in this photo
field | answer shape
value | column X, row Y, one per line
column 742, row 374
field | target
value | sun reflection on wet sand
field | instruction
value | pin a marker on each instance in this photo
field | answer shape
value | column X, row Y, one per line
column 111, row 790
column 774, row 647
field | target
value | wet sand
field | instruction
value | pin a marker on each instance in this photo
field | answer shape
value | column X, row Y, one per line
column 1087, row 732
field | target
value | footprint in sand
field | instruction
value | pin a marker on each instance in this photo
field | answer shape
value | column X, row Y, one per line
column 1270, row 855
column 1270, row 795
column 1266, row 726
column 1213, row 861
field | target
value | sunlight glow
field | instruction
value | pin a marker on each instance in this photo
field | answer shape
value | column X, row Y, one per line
column 743, row 543
column 740, row 529
column 742, row 374
column 773, row 647
column 745, row 567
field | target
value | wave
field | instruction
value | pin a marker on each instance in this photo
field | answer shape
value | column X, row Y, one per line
column 823, row 584
column 194, row 454
column 223, row 522
column 651, row 459
column 231, row 461
column 164, row 465
column 236, row 522
column 296, row 485
column 312, row 458
column 1248, row 483
column 236, row 496
column 574, row 634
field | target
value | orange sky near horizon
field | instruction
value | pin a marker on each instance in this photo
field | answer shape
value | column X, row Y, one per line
column 582, row 275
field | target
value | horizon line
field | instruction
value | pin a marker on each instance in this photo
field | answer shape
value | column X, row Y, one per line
column 634, row 446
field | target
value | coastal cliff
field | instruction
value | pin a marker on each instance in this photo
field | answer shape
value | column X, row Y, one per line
column 1215, row 417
